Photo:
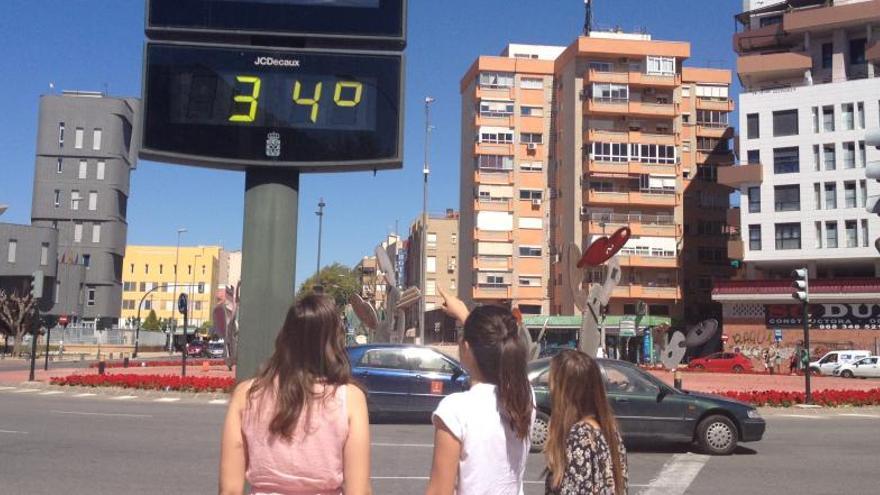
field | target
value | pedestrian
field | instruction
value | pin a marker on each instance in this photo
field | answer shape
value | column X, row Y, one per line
column 301, row 426
column 481, row 440
column 585, row 453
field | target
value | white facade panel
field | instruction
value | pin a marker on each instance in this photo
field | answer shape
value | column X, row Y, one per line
column 497, row 221
column 495, row 249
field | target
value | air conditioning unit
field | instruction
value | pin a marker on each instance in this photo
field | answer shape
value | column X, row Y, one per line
column 532, row 146
column 536, row 202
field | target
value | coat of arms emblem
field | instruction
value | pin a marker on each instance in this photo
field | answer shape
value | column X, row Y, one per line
column 273, row 145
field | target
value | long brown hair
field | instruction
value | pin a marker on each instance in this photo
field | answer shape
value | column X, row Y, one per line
column 493, row 336
column 309, row 349
column 577, row 392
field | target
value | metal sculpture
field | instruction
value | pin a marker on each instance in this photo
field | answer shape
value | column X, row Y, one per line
column 593, row 301
column 226, row 321
column 391, row 327
column 674, row 350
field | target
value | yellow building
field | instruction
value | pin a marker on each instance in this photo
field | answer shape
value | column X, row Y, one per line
column 149, row 274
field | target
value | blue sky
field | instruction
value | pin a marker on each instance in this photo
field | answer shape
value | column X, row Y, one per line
column 97, row 45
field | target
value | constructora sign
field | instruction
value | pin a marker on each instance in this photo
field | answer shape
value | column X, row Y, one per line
column 824, row 316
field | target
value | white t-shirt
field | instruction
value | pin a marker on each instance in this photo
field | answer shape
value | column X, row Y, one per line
column 493, row 459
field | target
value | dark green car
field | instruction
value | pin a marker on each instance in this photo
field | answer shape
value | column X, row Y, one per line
column 649, row 410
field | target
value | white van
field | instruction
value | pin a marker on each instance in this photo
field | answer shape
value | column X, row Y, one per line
column 833, row 359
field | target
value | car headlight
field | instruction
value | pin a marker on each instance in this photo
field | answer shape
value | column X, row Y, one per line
column 754, row 414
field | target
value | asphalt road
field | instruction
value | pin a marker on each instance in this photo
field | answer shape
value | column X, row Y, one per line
column 56, row 442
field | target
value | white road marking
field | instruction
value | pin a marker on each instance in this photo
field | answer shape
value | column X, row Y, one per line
column 26, row 390
column 119, row 415
column 418, row 445
column 87, row 394
column 677, row 475
column 167, row 399
column 125, row 397
column 802, row 416
column 219, row 401
column 7, row 388
column 857, row 415
column 425, row 478
column 51, row 392
column 13, row 432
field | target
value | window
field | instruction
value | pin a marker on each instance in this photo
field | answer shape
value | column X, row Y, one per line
column 787, row 198
column 44, row 254
column 529, row 281
column 57, row 198
column 96, row 233
column 754, row 194
column 61, row 134
column 431, row 239
column 495, row 162
column 830, row 157
column 627, row 381
column 827, row 54
column 496, row 108
column 708, row 173
column 610, row 93
column 531, row 137
column 101, row 170
column 713, row 145
column 815, row 112
column 59, row 166
column 131, row 268
column 860, row 114
column 831, row 234
column 496, row 79
column 147, row 268
column 601, row 66
column 201, row 288
column 93, row 200
column 531, row 166
column 96, row 139
column 78, row 138
column 83, row 169
column 830, row 195
column 857, row 51
column 788, row 236
column 531, row 83
column 651, row 153
column 754, row 157
column 817, row 195
column 74, row 200
column 662, row 66
column 531, row 194
column 77, row 232
column 711, row 118
column 87, row 260
column 431, row 263
column 852, row 236
column 786, row 160
column 686, row 91
column 143, row 287
column 863, row 158
column 817, row 158
column 863, row 189
column 864, row 233
column 530, row 251
column 148, row 304
column 785, row 123
column 534, row 223
column 13, row 247
column 531, row 111
column 189, row 269
column 610, row 152
column 429, row 361
column 754, row 237
column 828, row 118
column 453, row 238
column 818, row 235
column 753, row 126
column 496, row 136
column 770, row 20
column 849, row 194
column 90, row 297
column 849, row 119
column 849, row 155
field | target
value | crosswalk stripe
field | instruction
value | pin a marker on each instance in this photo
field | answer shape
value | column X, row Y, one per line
column 857, row 415
column 51, row 392
column 7, row 388
column 26, row 390
column 87, row 394
column 219, row 401
column 802, row 416
column 167, row 399
column 125, row 397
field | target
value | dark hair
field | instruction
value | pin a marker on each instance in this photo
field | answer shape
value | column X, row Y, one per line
column 493, row 336
column 309, row 349
column 576, row 392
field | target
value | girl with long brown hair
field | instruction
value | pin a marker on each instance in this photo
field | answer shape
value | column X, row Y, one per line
column 481, row 440
column 300, row 426
column 585, row 454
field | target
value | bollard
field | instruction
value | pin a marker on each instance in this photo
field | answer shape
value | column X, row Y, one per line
column 101, row 367
column 125, row 362
column 676, row 379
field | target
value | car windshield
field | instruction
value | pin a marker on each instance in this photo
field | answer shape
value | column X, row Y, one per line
column 215, row 346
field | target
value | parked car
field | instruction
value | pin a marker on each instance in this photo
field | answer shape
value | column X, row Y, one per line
column 405, row 380
column 216, row 350
column 722, row 361
column 196, row 348
column 831, row 360
column 868, row 367
column 649, row 410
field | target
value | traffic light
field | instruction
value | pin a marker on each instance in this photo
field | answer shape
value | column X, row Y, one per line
column 801, row 285
column 37, row 284
column 872, row 170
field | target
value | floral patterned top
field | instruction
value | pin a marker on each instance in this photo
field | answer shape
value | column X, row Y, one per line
column 590, row 469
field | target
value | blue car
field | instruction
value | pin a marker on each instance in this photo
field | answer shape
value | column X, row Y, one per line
column 405, row 380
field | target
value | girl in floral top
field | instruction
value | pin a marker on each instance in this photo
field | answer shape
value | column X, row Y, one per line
column 585, row 454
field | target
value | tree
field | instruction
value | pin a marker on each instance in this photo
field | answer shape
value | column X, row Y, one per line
column 18, row 314
column 338, row 281
column 206, row 327
column 151, row 324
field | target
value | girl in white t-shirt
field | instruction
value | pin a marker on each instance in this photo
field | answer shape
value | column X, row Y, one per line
column 481, row 440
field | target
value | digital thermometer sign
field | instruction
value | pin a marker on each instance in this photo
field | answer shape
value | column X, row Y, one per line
column 234, row 107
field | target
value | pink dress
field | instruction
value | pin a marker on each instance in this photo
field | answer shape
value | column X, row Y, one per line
column 311, row 462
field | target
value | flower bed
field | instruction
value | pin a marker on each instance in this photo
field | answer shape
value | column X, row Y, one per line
column 150, row 382
column 160, row 363
column 826, row 398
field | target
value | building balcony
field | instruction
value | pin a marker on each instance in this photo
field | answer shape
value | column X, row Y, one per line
column 493, row 205
column 720, row 131
column 607, row 135
column 762, row 38
column 643, row 137
column 873, row 53
column 493, row 120
column 642, row 198
column 653, row 109
column 632, row 168
column 492, row 292
column 500, row 177
column 484, row 148
column 646, row 292
column 733, row 218
column 633, row 78
column 494, row 93
column 530, row 292
column 493, row 235
column 736, row 176
column 648, row 261
column 501, row 263
column 763, row 67
column 639, row 224
column 597, row 76
column 721, row 105
column 735, row 248
column 606, row 106
column 779, row 291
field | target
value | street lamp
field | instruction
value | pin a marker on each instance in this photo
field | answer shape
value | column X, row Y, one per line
column 176, row 263
column 320, row 213
column 3, row 209
column 192, row 291
column 423, row 256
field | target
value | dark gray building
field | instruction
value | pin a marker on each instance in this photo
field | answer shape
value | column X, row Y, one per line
column 86, row 150
column 25, row 250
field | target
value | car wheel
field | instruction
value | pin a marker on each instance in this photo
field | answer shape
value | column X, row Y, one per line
column 540, row 432
column 847, row 374
column 717, row 435
column 738, row 369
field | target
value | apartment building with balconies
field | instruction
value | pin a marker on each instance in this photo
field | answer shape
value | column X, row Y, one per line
column 811, row 91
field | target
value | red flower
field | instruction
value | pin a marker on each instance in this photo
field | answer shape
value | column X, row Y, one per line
column 150, row 382
column 827, row 398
